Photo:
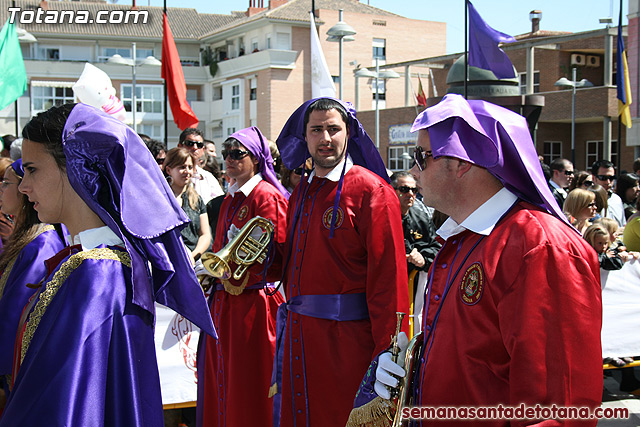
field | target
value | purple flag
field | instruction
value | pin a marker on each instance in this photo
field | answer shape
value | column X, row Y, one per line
column 483, row 47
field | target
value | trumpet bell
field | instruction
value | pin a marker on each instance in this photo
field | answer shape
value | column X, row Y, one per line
column 216, row 265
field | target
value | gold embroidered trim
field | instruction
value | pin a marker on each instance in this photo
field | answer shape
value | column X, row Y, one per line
column 235, row 290
column 8, row 381
column 377, row 413
column 273, row 390
column 53, row 286
column 5, row 275
column 7, row 271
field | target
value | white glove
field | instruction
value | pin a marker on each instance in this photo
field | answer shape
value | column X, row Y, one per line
column 232, row 232
column 387, row 369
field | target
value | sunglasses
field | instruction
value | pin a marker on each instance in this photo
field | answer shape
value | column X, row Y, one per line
column 568, row 173
column 405, row 189
column 160, row 160
column 420, row 156
column 298, row 171
column 592, row 205
column 587, row 183
column 188, row 143
column 606, row 177
column 235, row 154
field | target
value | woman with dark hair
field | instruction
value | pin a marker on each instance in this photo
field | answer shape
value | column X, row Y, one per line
column 179, row 166
column 582, row 179
column 85, row 352
column 628, row 190
column 237, row 367
column 22, row 263
column 6, row 222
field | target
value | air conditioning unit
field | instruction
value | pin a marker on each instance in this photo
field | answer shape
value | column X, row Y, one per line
column 593, row 61
column 578, row 59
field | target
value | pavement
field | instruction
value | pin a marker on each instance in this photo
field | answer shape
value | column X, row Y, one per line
column 612, row 397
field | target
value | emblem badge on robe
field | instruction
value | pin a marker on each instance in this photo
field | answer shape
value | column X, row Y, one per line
column 243, row 213
column 472, row 284
column 327, row 216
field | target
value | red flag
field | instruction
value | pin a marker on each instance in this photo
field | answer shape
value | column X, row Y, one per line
column 421, row 97
column 174, row 78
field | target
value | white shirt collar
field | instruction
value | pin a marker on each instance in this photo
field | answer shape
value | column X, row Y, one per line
column 95, row 237
column 248, row 186
column 557, row 187
column 483, row 219
column 334, row 174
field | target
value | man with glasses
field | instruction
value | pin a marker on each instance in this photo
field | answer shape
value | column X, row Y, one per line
column 561, row 177
column 604, row 174
column 419, row 238
column 513, row 304
column 205, row 184
column 345, row 273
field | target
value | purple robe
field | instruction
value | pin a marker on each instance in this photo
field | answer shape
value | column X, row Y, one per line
column 29, row 267
column 91, row 359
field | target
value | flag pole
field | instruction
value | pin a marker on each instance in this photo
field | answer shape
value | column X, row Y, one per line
column 466, row 48
column 619, row 142
column 166, row 114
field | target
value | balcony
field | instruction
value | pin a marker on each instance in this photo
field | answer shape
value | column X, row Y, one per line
column 253, row 62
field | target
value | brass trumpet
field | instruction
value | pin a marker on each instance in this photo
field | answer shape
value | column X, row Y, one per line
column 243, row 250
column 401, row 396
column 405, row 383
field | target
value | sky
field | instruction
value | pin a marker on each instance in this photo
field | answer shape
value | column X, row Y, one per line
column 511, row 17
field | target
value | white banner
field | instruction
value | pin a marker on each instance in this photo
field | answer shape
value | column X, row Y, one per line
column 176, row 346
column 321, row 80
column 621, row 311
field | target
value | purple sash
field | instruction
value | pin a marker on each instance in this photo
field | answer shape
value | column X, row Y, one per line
column 339, row 307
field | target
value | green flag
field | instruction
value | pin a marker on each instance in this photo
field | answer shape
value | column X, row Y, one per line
column 13, row 76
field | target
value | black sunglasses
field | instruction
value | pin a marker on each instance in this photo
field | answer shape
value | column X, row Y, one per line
column 188, row 143
column 298, row 171
column 606, row 177
column 587, row 183
column 160, row 160
column 235, row 154
column 405, row 189
column 568, row 173
column 420, row 156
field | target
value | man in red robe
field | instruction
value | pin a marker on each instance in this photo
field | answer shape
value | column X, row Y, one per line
column 345, row 270
column 513, row 305
column 234, row 372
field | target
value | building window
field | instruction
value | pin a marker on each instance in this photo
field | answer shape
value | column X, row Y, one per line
column 400, row 158
column 154, row 131
column 125, row 52
column 230, row 131
column 253, row 94
column 379, row 49
column 235, row 97
column 552, row 151
column 595, row 152
column 268, row 42
column 382, row 89
column 216, row 93
column 48, row 53
column 43, row 98
column 149, row 98
column 523, row 82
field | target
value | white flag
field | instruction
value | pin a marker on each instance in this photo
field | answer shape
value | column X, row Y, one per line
column 321, row 81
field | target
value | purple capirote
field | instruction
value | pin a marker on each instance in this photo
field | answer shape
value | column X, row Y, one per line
column 293, row 145
column 116, row 175
column 491, row 137
column 254, row 141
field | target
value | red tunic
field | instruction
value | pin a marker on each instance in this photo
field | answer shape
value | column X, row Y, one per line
column 521, row 321
column 325, row 360
column 237, row 368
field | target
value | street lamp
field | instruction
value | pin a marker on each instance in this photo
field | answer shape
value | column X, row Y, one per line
column 341, row 32
column 573, row 84
column 378, row 75
column 134, row 63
